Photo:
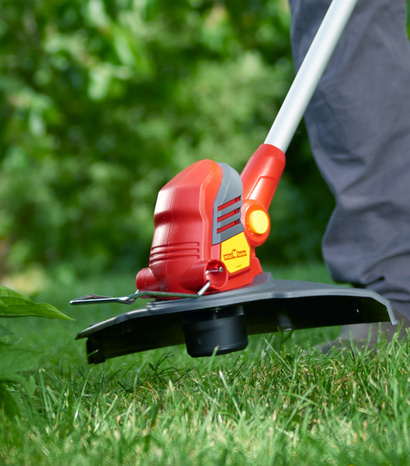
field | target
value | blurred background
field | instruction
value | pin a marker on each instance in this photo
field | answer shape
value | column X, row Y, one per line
column 102, row 102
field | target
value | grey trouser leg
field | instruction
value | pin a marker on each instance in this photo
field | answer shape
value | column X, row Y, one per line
column 359, row 128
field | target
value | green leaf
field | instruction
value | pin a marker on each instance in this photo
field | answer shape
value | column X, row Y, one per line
column 4, row 331
column 8, row 403
column 14, row 360
column 13, row 304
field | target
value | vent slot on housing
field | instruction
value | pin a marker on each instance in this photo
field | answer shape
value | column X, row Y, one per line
column 227, row 207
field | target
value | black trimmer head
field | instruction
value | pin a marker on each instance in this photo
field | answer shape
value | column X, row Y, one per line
column 220, row 323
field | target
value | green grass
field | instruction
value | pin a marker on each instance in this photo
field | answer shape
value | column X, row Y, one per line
column 272, row 404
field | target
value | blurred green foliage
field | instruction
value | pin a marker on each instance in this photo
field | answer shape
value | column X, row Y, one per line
column 14, row 359
column 102, row 102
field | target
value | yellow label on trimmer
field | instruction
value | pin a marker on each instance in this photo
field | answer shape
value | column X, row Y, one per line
column 235, row 253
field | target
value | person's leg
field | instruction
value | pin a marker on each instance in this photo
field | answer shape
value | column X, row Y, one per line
column 359, row 128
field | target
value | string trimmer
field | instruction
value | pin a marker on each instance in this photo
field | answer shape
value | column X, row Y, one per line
column 208, row 286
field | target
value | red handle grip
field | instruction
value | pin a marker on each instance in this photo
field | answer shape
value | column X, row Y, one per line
column 262, row 173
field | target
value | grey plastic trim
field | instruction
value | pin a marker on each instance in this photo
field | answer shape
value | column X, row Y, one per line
column 230, row 189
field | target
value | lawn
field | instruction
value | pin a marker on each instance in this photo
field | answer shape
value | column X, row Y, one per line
column 275, row 403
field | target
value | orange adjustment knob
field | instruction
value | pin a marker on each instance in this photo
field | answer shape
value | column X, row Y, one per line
column 259, row 222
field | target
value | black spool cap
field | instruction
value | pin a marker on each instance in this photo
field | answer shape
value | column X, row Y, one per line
column 221, row 328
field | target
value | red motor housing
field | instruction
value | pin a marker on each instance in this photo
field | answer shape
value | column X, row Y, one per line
column 208, row 221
